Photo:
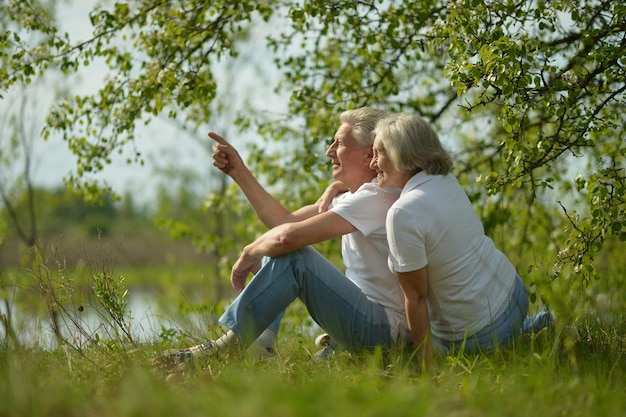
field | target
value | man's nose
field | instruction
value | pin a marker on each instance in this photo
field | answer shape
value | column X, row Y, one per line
column 331, row 150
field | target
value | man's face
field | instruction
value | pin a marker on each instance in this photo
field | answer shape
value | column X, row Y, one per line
column 350, row 161
column 387, row 174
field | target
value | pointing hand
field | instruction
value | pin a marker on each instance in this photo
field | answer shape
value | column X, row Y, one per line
column 225, row 157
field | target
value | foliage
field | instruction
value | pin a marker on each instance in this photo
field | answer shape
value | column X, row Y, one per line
column 18, row 133
column 62, row 212
column 111, row 295
column 535, row 92
column 530, row 95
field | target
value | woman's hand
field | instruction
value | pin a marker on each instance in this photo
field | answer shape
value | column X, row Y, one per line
column 331, row 192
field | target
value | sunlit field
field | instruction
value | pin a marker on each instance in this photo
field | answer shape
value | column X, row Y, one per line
column 104, row 366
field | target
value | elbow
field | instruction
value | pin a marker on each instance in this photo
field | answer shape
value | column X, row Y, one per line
column 287, row 239
column 415, row 297
column 413, row 292
column 414, row 284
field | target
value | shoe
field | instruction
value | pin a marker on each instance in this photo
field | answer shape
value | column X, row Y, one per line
column 532, row 324
column 258, row 352
column 328, row 344
column 203, row 350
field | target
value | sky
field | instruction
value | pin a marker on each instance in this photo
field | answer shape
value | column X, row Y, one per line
column 160, row 143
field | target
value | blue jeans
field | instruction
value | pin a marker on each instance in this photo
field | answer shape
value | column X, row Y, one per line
column 335, row 303
column 501, row 331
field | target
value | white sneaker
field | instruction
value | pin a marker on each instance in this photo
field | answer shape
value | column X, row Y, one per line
column 263, row 346
column 189, row 354
column 258, row 352
column 328, row 344
column 323, row 340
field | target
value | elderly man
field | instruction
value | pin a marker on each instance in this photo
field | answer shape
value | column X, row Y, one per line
column 360, row 309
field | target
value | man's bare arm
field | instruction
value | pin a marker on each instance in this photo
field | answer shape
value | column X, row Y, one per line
column 286, row 238
column 267, row 208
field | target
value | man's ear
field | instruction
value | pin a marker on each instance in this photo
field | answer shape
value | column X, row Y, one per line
column 369, row 155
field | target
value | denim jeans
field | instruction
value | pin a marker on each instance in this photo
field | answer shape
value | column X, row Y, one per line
column 499, row 332
column 335, row 303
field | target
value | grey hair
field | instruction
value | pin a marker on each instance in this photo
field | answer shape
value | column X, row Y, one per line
column 363, row 122
column 413, row 145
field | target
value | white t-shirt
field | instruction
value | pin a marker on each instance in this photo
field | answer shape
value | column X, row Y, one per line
column 365, row 251
column 434, row 225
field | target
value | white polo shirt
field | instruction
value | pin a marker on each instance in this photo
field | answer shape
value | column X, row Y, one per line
column 365, row 251
column 434, row 225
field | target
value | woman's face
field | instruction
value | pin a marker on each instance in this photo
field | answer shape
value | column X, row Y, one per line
column 387, row 174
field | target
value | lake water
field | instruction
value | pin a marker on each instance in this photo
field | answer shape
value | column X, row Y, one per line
column 148, row 322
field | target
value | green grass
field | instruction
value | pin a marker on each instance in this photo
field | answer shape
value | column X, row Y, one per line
column 575, row 369
column 573, row 372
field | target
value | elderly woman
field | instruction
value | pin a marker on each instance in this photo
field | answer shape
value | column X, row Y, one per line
column 460, row 291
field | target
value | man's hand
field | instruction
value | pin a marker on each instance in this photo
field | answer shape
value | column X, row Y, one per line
column 225, row 157
column 245, row 265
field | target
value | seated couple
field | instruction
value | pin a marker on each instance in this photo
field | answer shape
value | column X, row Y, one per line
column 418, row 266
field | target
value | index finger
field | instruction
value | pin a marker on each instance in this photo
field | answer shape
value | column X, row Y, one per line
column 218, row 138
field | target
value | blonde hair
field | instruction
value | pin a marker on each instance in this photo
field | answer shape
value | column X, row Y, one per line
column 363, row 122
column 413, row 145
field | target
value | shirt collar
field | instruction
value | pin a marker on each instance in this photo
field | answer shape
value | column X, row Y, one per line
column 416, row 180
